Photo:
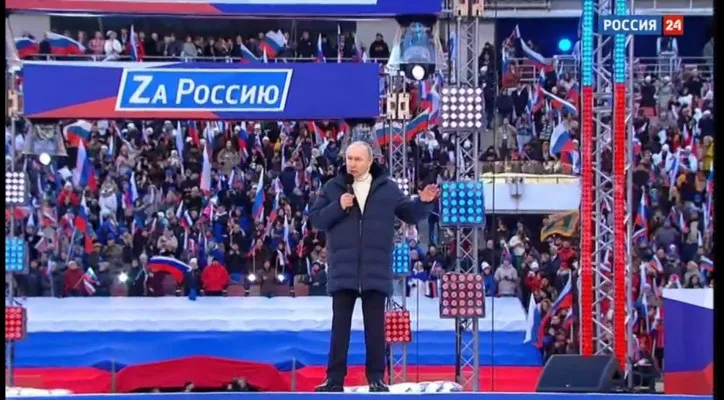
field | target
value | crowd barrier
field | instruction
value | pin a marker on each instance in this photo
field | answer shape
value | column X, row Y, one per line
column 660, row 66
column 228, row 59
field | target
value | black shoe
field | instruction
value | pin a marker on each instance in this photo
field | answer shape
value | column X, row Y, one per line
column 378, row 386
column 328, row 386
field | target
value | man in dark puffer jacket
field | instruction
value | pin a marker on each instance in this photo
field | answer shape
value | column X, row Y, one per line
column 357, row 210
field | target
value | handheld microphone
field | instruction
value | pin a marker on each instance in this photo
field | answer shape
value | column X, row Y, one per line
column 348, row 181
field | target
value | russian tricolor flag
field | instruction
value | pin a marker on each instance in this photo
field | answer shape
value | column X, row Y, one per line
column 642, row 217
column 287, row 247
column 80, row 223
column 706, row 264
column 319, row 136
column 320, row 53
column 417, row 125
column 561, row 141
column 382, row 131
column 257, row 209
column 63, row 45
column 274, row 210
column 193, row 132
column 83, row 174
column 205, row 184
column 172, row 266
column 531, row 54
column 247, row 56
column 273, row 43
column 26, row 47
column 569, row 320
column 241, row 138
column 77, row 132
column 533, row 321
column 134, row 49
column 565, row 297
column 564, row 300
column 560, row 104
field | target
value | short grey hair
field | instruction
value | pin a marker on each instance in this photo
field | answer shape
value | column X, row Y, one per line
column 362, row 144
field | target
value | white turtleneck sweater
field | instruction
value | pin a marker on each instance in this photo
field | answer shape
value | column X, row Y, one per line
column 361, row 187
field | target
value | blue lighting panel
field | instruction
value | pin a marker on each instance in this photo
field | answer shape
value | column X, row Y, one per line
column 462, row 204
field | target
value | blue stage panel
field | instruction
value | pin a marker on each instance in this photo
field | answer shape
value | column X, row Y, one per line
column 83, row 349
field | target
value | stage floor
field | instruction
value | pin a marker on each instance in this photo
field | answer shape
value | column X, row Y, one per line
column 376, row 396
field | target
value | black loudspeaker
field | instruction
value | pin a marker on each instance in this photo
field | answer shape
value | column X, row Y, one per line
column 573, row 373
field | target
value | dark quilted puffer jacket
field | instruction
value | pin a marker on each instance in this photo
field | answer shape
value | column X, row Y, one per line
column 359, row 246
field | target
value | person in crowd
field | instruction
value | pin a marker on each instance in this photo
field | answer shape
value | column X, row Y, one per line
column 379, row 49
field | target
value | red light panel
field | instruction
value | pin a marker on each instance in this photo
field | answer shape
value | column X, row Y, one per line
column 619, row 226
column 398, row 327
column 16, row 323
column 462, row 296
column 587, row 230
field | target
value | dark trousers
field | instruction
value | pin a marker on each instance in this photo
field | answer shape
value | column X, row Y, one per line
column 373, row 312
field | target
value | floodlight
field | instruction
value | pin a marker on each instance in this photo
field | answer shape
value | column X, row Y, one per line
column 404, row 185
column 398, row 327
column 416, row 50
column 462, row 296
column 462, row 108
column 418, row 72
column 280, row 278
column 16, row 323
column 401, row 259
column 15, row 251
column 16, row 189
column 564, row 45
column 251, row 277
column 44, row 159
column 462, row 204
column 122, row 277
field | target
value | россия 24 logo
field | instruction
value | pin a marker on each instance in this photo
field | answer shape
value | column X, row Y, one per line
column 249, row 90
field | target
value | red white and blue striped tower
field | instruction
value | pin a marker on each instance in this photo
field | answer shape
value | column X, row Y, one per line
column 605, row 124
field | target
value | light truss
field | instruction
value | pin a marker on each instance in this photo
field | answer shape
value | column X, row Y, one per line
column 467, row 31
column 611, row 214
column 396, row 117
column 603, row 186
column 463, row 21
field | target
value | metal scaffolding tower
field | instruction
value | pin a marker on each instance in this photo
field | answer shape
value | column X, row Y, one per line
column 463, row 19
column 602, row 184
column 613, row 159
column 396, row 117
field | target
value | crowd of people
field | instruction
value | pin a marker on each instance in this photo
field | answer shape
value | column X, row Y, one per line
column 153, row 46
column 230, row 199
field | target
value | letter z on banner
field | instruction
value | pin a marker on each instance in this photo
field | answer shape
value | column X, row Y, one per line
column 217, row 90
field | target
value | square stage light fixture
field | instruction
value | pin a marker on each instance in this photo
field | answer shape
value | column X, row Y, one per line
column 462, row 296
column 398, row 327
column 462, row 109
column 16, row 323
column 15, row 252
column 462, row 204
column 16, row 189
column 404, row 185
column 401, row 259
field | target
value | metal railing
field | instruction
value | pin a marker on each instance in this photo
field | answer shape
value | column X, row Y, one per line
column 532, row 167
column 659, row 66
column 516, row 4
column 182, row 58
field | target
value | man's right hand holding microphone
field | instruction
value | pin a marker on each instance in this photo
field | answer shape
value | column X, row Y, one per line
column 346, row 201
